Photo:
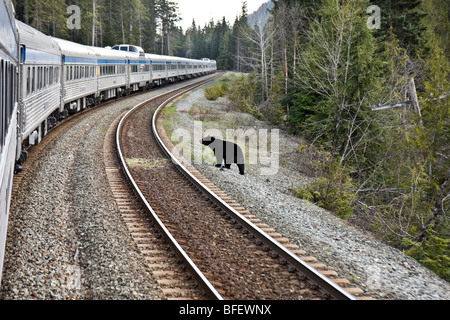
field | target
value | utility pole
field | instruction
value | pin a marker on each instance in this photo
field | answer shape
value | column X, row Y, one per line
column 413, row 95
column 414, row 101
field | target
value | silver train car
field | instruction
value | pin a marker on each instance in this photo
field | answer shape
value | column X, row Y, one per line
column 40, row 85
column 44, row 79
column 9, row 62
column 60, row 77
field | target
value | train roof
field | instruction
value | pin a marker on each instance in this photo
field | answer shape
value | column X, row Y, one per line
column 73, row 50
column 109, row 54
column 155, row 57
column 34, row 39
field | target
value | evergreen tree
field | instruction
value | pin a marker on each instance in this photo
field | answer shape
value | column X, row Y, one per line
column 404, row 17
column 167, row 14
column 338, row 71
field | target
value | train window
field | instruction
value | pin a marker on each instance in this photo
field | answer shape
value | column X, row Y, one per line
column 45, row 77
column 41, row 77
column 158, row 67
column 32, row 80
column 38, row 75
column 9, row 94
column 50, row 76
column 28, row 80
column 2, row 127
column 39, row 80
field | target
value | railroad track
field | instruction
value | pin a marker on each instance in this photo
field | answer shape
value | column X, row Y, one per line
column 224, row 250
column 25, row 180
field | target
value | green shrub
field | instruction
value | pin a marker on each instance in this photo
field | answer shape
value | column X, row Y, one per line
column 242, row 96
column 332, row 190
column 432, row 253
column 216, row 91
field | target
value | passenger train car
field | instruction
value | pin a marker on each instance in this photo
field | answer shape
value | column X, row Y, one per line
column 44, row 79
column 8, row 114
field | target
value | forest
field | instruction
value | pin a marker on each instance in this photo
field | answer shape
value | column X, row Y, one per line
column 322, row 69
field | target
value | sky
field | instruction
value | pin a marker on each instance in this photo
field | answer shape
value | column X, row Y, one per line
column 203, row 10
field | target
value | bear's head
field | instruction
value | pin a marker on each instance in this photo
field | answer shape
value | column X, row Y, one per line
column 207, row 140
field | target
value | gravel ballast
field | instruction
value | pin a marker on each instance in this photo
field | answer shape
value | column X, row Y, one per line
column 66, row 238
column 381, row 271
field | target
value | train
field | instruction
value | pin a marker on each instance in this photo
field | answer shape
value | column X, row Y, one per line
column 45, row 79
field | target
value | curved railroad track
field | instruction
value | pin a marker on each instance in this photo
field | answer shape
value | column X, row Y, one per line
column 54, row 250
column 221, row 246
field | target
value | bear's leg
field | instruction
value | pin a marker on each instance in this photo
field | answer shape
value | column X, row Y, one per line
column 219, row 161
column 241, row 168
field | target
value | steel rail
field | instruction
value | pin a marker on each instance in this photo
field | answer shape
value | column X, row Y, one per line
column 209, row 289
column 314, row 276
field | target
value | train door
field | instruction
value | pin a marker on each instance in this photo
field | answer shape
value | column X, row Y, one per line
column 22, row 90
column 128, row 74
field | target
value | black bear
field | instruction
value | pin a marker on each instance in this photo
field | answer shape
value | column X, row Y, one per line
column 225, row 151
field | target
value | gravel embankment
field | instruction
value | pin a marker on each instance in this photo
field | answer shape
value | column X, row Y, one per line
column 66, row 238
column 381, row 271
